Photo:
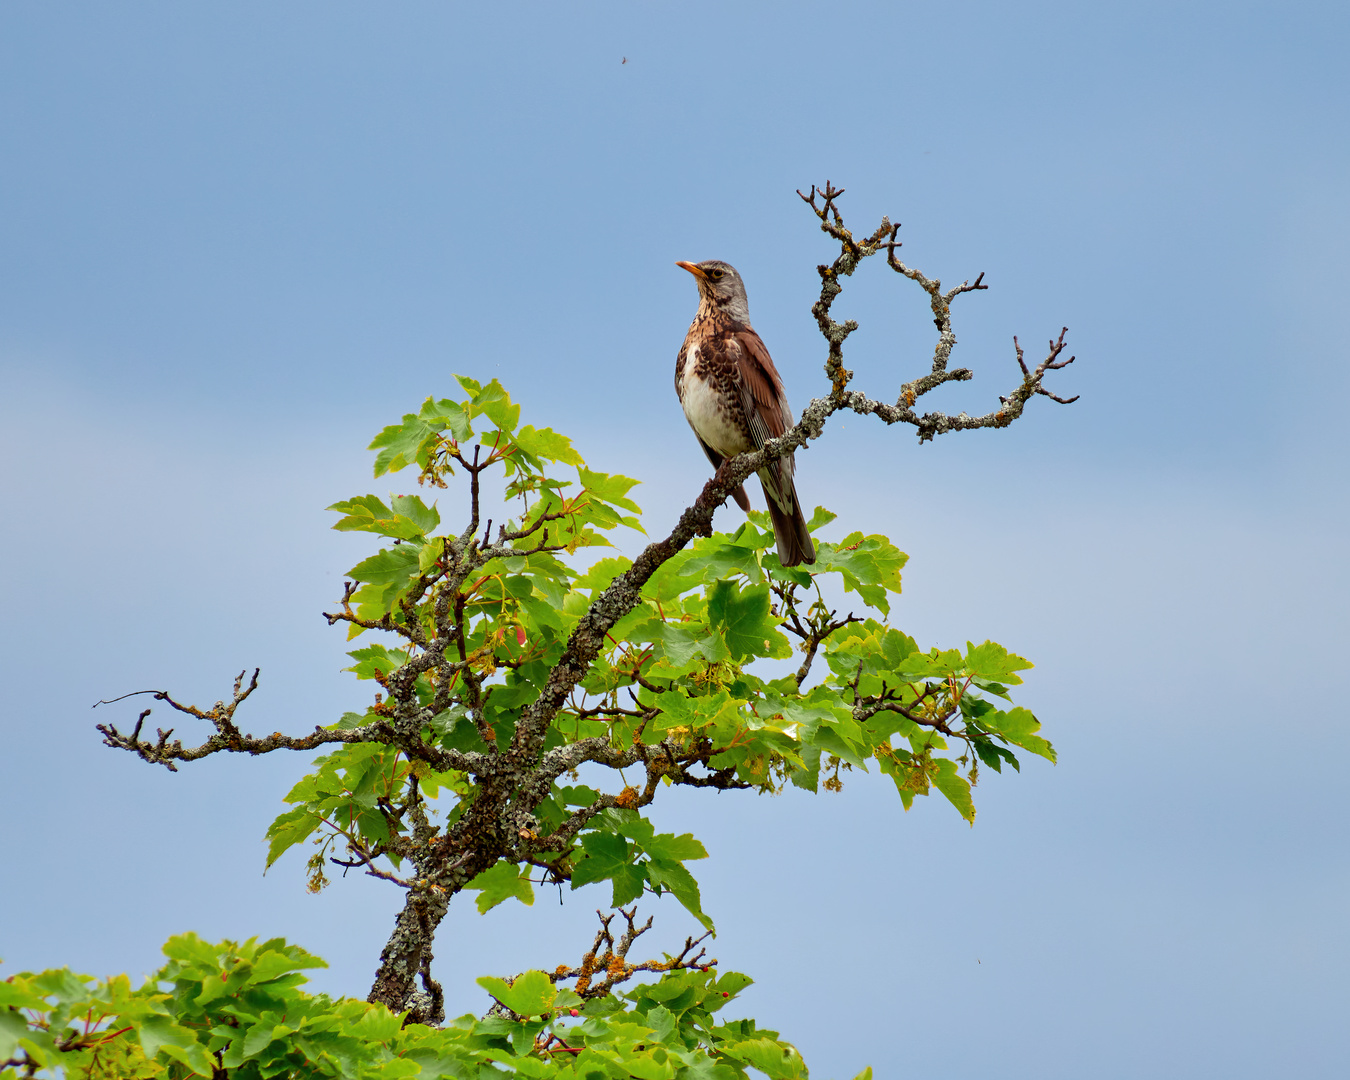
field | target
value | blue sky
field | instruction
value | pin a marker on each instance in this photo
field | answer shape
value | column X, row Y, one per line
column 238, row 240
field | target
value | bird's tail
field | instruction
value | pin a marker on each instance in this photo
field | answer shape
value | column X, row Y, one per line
column 789, row 527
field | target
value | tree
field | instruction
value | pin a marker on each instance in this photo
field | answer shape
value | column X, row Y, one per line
column 504, row 669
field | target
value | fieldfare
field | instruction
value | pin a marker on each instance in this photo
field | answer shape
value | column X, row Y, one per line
column 734, row 399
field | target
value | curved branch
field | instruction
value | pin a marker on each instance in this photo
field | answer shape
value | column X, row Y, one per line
column 228, row 738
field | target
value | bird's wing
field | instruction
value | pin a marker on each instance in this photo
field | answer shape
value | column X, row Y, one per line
column 767, row 412
column 766, row 406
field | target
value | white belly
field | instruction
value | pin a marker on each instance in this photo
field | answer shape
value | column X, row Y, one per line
column 703, row 409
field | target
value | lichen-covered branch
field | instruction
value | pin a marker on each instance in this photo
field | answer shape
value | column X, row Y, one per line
column 605, row 964
column 230, row 739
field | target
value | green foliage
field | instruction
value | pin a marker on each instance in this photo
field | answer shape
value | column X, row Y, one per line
column 501, row 881
column 696, row 675
column 624, row 848
column 720, row 668
column 505, row 666
column 237, row 1011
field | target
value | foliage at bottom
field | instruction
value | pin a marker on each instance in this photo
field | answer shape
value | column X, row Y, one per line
column 237, row 1011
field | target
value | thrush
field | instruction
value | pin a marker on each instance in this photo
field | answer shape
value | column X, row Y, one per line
column 733, row 398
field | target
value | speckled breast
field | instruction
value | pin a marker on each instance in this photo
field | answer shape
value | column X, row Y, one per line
column 712, row 405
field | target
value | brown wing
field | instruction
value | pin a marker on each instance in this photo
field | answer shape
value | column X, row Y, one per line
column 769, row 415
column 766, row 405
column 767, row 412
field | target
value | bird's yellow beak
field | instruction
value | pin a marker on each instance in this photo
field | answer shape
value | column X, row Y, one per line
column 693, row 270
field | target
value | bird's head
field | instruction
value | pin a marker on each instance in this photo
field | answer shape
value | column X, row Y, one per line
column 720, row 288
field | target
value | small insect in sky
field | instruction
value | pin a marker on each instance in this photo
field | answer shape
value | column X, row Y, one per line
column 624, row 60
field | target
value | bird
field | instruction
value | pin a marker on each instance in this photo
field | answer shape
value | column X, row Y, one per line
column 734, row 400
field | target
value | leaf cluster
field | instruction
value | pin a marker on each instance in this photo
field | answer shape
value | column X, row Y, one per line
column 238, row 1011
column 694, row 683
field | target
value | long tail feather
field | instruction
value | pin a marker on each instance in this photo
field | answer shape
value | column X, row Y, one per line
column 789, row 529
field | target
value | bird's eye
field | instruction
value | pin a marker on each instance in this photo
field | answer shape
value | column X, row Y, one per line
column 716, row 275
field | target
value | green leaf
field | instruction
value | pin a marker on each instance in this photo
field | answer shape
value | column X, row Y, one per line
column 948, row 780
column 745, row 619
column 676, row 643
column 18, row 996
column 631, row 824
column 775, row 1059
column 260, row 1036
column 732, row 983
column 13, row 1027
column 393, row 566
column 580, row 795
column 409, row 519
column 869, row 565
column 669, row 581
column 275, row 962
column 412, row 508
column 829, row 740
column 447, row 415
column 501, row 882
column 547, row 444
column 820, row 517
column 675, row 848
column 191, row 949
column 156, row 1032
column 532, row 994
column 674, row 877
column 400, row 444
column 993, row 755
column 504, row 414
column 493, row 402
column 601, row 573
column 612, row 489
column 605, row 854
column 712, row 560
column 377, row 1025
column 362, row 511
column 1019, row 727
column 376, row 660
column 705, row 1068
column 289, row 829
column 662, row 1022
column 671, row 986
column 992, row 661
column 628, row 881
column 195, row 1057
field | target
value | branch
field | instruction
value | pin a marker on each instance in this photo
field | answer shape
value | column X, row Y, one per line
column 866, row 707
column 613, row 960
column 623, row 594
column 228, row 737
column 1048, row 364
column 850, row 255
column 819, row 625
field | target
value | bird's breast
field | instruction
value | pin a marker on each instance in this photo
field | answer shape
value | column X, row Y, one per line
column 711, row 405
